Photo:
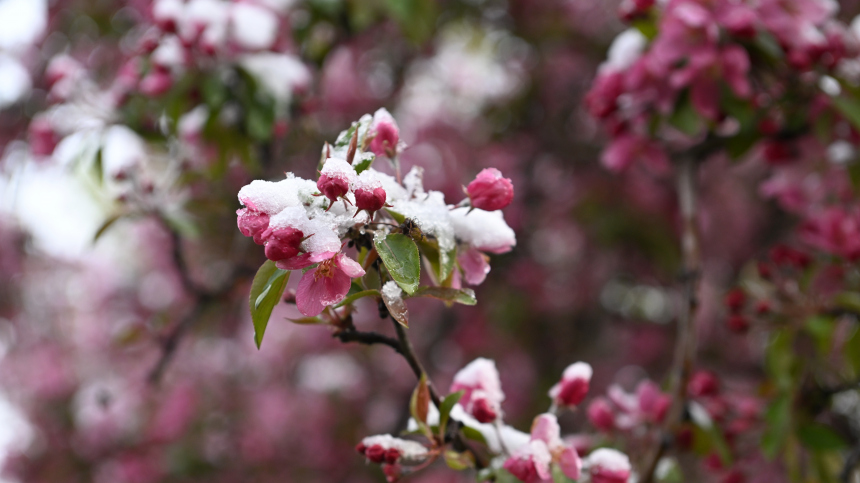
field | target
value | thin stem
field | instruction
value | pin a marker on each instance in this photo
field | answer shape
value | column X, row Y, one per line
column 368, row 338
column 409, row 354
column 685, row 344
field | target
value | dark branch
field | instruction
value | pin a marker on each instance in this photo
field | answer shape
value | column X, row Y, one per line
column 367, row 338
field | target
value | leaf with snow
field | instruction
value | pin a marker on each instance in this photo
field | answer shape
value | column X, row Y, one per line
column 400, row 256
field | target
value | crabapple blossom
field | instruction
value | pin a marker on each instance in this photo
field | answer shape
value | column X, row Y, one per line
column 326, row 284
column 483, row 396
column 369, row 193
column 336, row 178
column 384, row 134
column 387, row 449
column 606, row 465
column 573, row 387
column 489, row 191
column 531, row 463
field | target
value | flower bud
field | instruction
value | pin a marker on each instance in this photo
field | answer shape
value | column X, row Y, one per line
column 336, row 178
column 370, row 199
column 282, row 243
column 385, row 134
column 43, row 138
column 738, row 323
column 484, row 411
column 252, row 223
column 489, row 191
column 600, row 414
column 703, row 383
column 735, row 300
column 156, row 82
column 608, row 466
column 573, row 387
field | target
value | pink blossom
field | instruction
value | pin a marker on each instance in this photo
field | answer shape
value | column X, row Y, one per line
column 607, row 465
column 252, row 223
column 489, row 191
column 483, row 396
column 600, row 414
column 834, row 230
column 532, row 463
column 703, row 383
column 387, row 449
column 384, row 134
column 157, row 82
column 626, row 149
column 653, row 403
column 474, row 264
column 326, row 284
column 43, row 136
column 573, row 387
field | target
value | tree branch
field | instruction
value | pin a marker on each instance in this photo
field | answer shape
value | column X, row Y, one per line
column 685, row 344
column 367, row 338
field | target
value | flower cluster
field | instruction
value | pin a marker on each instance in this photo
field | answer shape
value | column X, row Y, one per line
column 692, row 74
column 302, row 224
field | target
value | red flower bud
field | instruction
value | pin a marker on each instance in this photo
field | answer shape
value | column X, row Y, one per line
column 762, row 307
column 600, row 414
column 703, row 383
column 370, row 199
column 282, row 243
column 484, row 411
column 333, row 187
column 735, row 300
column 738, row 323
column 385, row 134
column 489, row 191
column 392, row 455
column 375, row 453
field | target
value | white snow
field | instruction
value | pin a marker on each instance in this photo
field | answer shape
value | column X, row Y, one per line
column 608, row 459
column 484, row 230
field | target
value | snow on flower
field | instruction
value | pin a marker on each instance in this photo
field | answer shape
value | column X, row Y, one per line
column 573, row 387
column 607, row 465
column 532, row 463
column 483, row 396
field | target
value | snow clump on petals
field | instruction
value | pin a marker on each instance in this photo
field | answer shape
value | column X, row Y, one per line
column 490, row 191
column 530, row 463
column 483, row 396
column 336, row 178
column 484, row 230
column 608, row 466
column 385, row 135
column 384, row 448
column 573, row 387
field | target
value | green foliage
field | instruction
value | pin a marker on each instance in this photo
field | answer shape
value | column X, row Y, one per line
column 400, row 256
column 465, row 296
column 445, row 411
column 266, row 291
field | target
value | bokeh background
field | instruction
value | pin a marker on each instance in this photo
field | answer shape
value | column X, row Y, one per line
column 125, row 134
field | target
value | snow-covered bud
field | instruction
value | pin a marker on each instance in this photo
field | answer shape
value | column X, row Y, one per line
column 573, row 387
column 608, row 466
column 489, row 191
column 335, row 178
column 384, row 448
column 282, row 243
column 530, row 463
column 384, row 134
column 600, row 414
column 167, row 13
column 369, row 194
column 483, row 396
column 252, row 223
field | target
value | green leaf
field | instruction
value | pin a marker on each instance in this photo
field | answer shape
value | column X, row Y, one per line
column 465, row 296
column 445, row 411
column 821, row 329
column 646, row 27
column 266, row 291
column 308, row 321
column 357, row 295
column 459, row 461
column 558, row 476
column 473, row 434
column 779, row 359
column 849, row 301
column 107, row 224
column 851, row 351
column 363, row 160
column 685, row 118
column 819, row 437
column 441, row 266
column 417, row 18
column 778, row 418
column 400, row 256
column 848, row 107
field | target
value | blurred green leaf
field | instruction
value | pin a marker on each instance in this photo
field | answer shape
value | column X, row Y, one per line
column 465, row 296
column 819, row 437
column 445, row 411
column 400, row 256
column 416, row 18
column 848, row 107
column 266, row 291
column 821, row 329
column 685, row 118
column 778, row 418
column 459, row 461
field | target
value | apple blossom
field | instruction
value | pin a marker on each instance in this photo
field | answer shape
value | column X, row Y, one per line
column 489, row 191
